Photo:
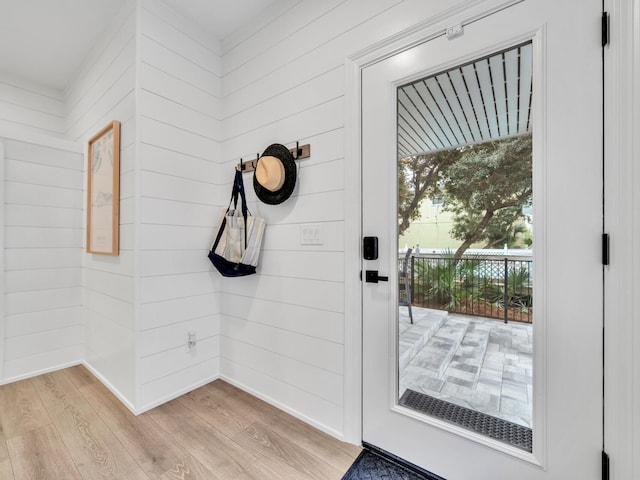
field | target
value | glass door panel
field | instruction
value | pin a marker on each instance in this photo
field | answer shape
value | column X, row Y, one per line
column 465, row 231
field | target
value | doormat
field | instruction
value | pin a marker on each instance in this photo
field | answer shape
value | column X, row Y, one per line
column 373, row 464
column 479, row 422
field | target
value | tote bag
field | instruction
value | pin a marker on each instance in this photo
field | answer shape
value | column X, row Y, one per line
column 235, row 249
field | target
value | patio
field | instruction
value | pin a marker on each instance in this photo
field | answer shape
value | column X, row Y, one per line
column 474, row 362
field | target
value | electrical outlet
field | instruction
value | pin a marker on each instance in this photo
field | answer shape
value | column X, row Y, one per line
column 191, row 341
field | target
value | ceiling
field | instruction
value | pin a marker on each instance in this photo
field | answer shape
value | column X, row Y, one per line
column 45, row 41
column 487, row 99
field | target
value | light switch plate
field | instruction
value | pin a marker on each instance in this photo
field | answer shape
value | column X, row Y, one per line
column 310, row 235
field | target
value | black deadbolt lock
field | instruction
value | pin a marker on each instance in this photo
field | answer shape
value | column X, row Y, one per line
column 370, row 248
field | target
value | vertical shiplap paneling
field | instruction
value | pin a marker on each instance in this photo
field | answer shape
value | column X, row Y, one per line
column 103, row 90
column 27, row 107
column 285, row 83
column 179, row 112
column 42, row 275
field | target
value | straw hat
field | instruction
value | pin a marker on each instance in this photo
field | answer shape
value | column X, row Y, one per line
column 275, row 175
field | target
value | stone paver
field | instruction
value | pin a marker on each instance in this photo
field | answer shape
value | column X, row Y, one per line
column 489, row 367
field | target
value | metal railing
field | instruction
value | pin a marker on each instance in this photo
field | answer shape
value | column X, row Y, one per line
column 490, row 286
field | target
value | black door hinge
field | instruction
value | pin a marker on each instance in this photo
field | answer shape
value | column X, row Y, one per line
column 606, row 27
column 605, row 466
column 605, row 249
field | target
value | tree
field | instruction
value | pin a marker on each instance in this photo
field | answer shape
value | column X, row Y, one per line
column 487, row 188
column 504, row 229
column 418, row 178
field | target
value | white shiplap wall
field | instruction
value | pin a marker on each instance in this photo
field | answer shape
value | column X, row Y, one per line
column 284, row 80
column 42, row 294
column 102, row 91
column 2, row 268
column 179, row 145
column 159, row 75
column 27, row 107
column 189, row 111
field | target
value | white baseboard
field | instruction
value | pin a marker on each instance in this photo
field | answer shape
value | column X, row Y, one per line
column 111, row 388
column 137, row 411
column 330, row 431
column 175, row 394
column 43, row 371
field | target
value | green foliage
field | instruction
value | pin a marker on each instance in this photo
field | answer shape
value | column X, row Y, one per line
column 447, row 282
column 492, row 174
column 418, row 178
column 527, row 238
column 458, row 285
column 503, row 228
column 518, row 292
column 486, row 190
column 485, row 187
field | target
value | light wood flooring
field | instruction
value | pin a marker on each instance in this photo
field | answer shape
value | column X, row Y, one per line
column 66, row 425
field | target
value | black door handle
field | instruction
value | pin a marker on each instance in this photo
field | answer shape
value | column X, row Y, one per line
column 372, row 276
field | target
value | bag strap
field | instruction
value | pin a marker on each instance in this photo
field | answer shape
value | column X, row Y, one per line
column 237, row 192
column 220, row 232
column 239, row 188
column 234, row 194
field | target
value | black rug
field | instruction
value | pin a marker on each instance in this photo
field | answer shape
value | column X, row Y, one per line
column 377, row 465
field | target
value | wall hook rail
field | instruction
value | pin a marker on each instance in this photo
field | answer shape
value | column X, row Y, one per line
column 299, row 152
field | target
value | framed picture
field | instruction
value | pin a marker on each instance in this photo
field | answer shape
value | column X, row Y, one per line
column 103, row 191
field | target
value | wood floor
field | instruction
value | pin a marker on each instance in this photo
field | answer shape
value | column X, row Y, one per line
column 67, row 425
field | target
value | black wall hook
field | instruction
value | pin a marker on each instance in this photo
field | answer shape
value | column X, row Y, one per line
column 299, row 152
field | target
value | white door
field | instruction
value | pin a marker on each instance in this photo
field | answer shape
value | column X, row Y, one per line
column 566, row 126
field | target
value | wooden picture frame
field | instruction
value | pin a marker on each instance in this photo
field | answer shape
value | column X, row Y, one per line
column 103, row 191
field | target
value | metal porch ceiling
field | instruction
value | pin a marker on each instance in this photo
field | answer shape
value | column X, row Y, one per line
column 484, row 100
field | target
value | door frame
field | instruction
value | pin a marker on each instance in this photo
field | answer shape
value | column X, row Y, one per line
column 622, row 276
column 430, row 28
column 622, row 119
